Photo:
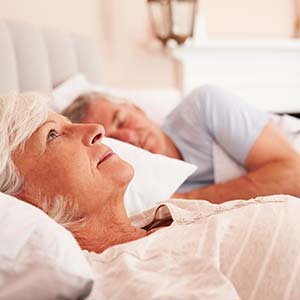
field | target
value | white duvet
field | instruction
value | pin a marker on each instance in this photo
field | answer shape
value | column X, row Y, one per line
column 236, row 250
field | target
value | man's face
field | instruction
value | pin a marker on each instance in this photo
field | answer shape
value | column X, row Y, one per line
column 62, row 158
column 127, row 123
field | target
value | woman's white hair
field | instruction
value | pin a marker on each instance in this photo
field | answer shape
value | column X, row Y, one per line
column 20, row 116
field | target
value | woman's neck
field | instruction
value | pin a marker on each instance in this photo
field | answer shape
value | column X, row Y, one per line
column 109, row 228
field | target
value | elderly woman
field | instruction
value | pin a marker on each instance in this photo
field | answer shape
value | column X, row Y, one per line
column 178, row 250
column 46, row 157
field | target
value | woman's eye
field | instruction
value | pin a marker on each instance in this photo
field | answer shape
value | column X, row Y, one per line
column 53, row 134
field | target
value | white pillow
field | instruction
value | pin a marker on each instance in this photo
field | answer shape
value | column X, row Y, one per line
column 39, row 259
column 156, row 178
column 65, row 93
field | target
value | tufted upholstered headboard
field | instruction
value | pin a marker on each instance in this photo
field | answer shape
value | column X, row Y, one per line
column 32, row 59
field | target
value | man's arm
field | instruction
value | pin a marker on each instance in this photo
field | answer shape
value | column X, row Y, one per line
column 273, row 168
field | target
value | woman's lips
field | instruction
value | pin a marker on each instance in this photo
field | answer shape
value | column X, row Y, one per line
column 106, row 156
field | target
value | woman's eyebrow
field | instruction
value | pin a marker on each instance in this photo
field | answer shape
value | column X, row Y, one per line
column 45, row 124
column 39, row 134
column 66, row 119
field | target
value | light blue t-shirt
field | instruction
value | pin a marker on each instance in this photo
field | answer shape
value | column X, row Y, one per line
column 211, row 115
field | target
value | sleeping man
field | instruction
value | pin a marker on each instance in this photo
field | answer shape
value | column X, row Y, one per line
column 234, row 250
column 205, row 117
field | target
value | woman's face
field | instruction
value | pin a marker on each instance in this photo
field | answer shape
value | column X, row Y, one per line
column 62, row 158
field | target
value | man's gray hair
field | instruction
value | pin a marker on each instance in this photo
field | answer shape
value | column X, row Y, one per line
column 76, row 110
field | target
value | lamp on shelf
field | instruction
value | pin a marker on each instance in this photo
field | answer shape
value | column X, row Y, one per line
column 172, row 19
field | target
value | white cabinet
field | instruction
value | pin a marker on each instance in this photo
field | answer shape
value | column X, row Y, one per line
column 265, row 73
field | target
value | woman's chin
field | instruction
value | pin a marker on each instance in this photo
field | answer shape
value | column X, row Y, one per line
column 130, row 172
column 125, row 173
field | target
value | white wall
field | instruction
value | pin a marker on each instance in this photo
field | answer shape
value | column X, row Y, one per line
column 82, row 16
column 130, row 61
column 121, row 28
column 249, row 18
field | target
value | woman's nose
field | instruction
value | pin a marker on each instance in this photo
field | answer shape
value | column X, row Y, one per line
column 93, row 133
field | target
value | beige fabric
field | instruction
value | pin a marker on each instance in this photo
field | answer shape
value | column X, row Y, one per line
column 237, row 250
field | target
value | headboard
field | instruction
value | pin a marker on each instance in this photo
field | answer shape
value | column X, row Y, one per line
column 32, row 59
